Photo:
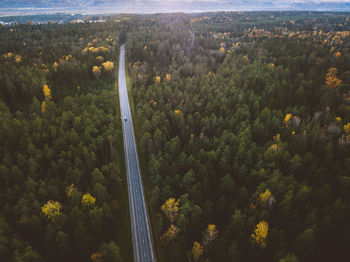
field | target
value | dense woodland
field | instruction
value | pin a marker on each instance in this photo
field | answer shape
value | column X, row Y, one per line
column 242, row 122
column 60, row 178
column 244, row 134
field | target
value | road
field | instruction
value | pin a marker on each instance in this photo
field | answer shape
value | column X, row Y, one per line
column 141, row 237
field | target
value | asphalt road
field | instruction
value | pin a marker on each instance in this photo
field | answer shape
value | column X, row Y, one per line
column 140, row 231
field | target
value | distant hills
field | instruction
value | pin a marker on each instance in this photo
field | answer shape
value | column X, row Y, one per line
column 52, row 3
column 152, row 6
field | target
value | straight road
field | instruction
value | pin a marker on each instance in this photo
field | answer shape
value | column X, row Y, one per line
column 141, row 237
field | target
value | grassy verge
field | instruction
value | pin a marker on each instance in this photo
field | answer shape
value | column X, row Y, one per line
column 142, row 162
column 124, row 224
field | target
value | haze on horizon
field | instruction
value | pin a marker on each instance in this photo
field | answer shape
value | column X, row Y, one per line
column 23, row 7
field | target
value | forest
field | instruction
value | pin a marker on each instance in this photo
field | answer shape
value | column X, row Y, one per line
column 245, row 134
column 242, row 124
column 62, row 183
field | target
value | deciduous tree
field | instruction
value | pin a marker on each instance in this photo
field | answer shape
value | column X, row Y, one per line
column 331, row 78
column 210, row 233
column 260, row 234
column 88, row 200
column 197, row 251
column 51, row 209
column 171, row 209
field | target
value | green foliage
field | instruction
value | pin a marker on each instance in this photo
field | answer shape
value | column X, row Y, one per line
column 60, row 152
column 211, row 91
column 209, row 134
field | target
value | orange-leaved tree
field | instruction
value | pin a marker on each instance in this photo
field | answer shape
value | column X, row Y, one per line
column 170, row 234
column 331, row 78
column 96, row 257
column 168, row 77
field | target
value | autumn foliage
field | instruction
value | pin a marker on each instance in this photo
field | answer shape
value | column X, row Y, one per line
column 71, row 189
column 331, row 78
column 168, row 77
column 260, row 234
column 47, row 92
column 197, row 251
column 88, row 200
column 51, row 209
column 266, row 198
column 170, row 234
column 108, row 66
column 177, row 111
column 171, row 209
column 287, row 118
column 96, row 257
column 96, row 71
column 210, row 233
column 43, row 107
column 347, row 128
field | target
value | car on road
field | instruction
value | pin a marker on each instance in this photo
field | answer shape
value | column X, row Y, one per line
column 125, row 119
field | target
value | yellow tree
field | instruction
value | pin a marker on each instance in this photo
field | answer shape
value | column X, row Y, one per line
column 347, row 128
column 108, row 66
column 277, row 137
column 171, row 209
column 331, row 78
column 287, row 118
column 8, row 55
column 274, row 148
column 99, row 58
column 260, row 234
column 170, row 234
column 55, row 65
column 18, row 58
column 96, row 71
column 43, row 107
column 177, row 111
column 168, row 77
column 158, row 79
column 88, row 200
column 266, row 198
column 197, row 251
column 210, row 233
column 51, row 209
column 47, row 92
column 71, row 189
